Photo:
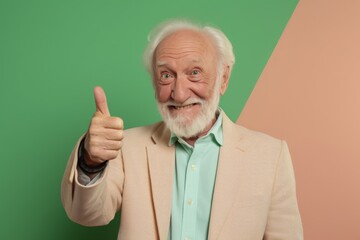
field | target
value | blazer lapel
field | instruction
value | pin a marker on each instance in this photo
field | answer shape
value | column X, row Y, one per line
column 227, row 178
column 161, row 161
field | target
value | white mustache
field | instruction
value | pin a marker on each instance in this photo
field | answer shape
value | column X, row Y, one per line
column 186, row 103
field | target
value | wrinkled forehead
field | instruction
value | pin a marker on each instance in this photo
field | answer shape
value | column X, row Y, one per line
column 195, row 60
column 183, row 43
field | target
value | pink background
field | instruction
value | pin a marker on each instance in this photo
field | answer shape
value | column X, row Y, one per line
column 309, row 95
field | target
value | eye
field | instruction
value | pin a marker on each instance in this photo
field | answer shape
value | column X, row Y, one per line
column 195, row 72
column 166, row 77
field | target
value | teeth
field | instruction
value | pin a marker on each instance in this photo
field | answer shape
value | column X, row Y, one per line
column 183, row 107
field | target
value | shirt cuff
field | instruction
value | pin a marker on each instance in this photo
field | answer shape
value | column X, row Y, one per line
column 85, row 180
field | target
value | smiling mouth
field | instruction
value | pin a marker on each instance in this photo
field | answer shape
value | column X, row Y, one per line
column 182, row 107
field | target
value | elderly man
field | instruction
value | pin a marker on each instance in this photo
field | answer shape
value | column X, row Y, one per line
column 196, row 175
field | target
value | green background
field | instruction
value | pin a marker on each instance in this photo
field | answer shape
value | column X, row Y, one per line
column 52, row 54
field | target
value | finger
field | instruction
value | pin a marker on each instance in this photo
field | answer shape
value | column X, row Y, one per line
column 108, row 154
column 114, row 123
column 106, row 122
column 100, row 101
column 99, row 155
column 114, row 135
column 112, row 145
column 111, row 154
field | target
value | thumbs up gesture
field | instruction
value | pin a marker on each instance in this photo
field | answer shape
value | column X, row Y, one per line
column 103, row 140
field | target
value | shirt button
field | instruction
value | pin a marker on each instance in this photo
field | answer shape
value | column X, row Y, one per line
column 193, row 167
column 189, row 201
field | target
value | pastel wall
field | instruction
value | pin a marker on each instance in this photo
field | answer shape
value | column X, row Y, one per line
column 52, row 54
column 309, row 94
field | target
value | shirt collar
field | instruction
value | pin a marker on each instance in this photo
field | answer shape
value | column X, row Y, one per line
column 215, row 131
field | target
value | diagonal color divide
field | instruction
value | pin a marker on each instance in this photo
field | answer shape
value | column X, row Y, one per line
column 309, row 95
column 254, row 29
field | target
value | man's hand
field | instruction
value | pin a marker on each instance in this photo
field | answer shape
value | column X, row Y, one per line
column 103, row 140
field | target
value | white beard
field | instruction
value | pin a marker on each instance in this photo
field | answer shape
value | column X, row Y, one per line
column 183, row 125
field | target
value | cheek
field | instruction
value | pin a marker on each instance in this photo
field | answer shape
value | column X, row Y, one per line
column 201, row 93
column 204, row 90
column 208, row 84
column 163, row 93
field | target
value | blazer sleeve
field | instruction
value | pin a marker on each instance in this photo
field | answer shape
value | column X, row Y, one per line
column 284, row 221
column 96, row 204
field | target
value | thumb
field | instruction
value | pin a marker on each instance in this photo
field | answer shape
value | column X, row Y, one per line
column 100, row 101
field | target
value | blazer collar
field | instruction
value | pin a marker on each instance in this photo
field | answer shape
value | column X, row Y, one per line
column 227, row 184
column 161, row 162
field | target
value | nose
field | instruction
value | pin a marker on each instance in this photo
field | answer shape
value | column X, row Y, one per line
column 180, row 91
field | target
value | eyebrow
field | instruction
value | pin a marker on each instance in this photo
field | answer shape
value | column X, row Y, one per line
column 160, row 63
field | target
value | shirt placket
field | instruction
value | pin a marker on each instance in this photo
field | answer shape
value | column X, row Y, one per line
column 190, row 198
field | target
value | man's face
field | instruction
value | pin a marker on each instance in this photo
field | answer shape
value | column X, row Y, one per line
column 186, row 82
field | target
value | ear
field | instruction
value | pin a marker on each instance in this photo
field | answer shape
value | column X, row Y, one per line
column 225, row 80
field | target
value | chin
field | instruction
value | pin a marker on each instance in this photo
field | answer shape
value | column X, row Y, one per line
column 187, row 126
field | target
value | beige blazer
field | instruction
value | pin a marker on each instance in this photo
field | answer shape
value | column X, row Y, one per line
column 254, row 195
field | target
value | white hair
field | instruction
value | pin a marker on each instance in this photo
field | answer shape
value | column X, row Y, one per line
column 220, row 41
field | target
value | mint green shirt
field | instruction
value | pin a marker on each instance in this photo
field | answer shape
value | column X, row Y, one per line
column 193, row 187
